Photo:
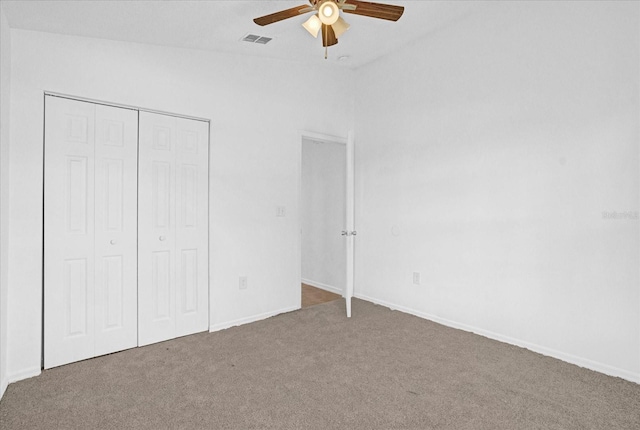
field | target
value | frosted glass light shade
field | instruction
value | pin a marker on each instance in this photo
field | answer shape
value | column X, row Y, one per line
column 340, row 26
column 313, row 25
column 328, row 12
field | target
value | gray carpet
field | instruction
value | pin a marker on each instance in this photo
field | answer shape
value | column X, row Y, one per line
column 315, row 369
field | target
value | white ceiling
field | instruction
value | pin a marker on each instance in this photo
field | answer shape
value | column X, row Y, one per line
column 220, row 25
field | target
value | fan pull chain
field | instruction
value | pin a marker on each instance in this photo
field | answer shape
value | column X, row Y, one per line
column 326, row 41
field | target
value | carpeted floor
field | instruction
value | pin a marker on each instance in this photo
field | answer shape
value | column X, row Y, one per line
column 315, row 369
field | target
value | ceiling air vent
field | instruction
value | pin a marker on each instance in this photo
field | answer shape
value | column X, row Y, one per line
column 254, row 38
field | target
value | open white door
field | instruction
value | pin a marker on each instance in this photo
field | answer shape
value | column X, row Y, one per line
column 350, row 221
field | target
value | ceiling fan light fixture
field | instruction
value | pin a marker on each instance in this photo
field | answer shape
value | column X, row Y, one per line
column 327, row 17
column 340, row 26
column 313, row 25
column 328, row 12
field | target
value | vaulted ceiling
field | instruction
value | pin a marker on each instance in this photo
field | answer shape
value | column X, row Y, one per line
column 220, row 26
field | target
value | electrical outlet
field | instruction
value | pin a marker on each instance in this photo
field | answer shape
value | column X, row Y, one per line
column 281, row 211
column 243, row 283
column 416, row 278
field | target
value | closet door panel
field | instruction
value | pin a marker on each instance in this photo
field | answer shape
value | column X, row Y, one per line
column 69, row 263
column 192, row 226
column 156, row 228
column 116, row 220
column 173, row 227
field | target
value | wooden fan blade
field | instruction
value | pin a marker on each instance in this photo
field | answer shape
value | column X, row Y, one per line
column 328, row 36
column 375, row 10
column 283, row 14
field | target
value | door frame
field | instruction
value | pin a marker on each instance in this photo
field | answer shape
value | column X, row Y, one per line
column 209, row 199
column 348, row 143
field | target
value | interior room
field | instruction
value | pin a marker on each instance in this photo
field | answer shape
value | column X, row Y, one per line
column 487, row 201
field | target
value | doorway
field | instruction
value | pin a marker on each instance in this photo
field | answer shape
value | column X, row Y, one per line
column 323, row 219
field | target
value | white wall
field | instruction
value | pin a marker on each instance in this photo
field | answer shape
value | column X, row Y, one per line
column 256, row 106
column 492, row 149
column 5, row 96
column 323, row 214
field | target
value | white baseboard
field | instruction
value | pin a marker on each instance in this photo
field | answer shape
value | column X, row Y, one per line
column 247, row 320
column 325, row 287
column 569, row 358
column 24, row 374
column 3, row 387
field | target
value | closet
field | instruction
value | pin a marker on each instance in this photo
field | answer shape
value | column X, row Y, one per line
column 125, row 228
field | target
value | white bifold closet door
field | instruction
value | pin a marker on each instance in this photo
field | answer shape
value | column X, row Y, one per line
column 90, row 222
column 172, row 227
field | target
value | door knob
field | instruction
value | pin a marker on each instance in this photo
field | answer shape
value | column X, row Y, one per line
column 344, row 233
column 162, row 238
column 112, row 241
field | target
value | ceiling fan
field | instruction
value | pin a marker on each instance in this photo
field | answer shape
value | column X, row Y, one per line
column 327, row 17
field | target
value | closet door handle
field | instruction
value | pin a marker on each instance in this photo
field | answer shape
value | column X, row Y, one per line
column 162, row 238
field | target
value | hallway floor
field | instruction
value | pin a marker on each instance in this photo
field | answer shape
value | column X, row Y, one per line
column 315, row 296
